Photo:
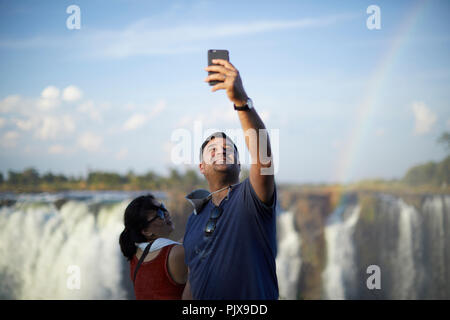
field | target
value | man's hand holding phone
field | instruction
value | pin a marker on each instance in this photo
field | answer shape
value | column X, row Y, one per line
column 230, row 81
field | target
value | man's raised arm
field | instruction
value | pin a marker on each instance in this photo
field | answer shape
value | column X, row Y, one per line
column 256, row 136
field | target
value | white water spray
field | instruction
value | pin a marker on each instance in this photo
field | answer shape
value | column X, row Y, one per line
column 406, row 269
column 340, row 269
column 288, row 259
column 39, row 243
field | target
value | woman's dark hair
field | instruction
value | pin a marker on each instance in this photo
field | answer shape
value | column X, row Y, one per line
column 135, row 219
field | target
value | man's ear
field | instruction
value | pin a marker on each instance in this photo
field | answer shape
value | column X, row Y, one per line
column 202, row 168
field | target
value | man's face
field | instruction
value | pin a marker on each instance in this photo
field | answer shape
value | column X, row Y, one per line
column 218, row 156
column 219, row 151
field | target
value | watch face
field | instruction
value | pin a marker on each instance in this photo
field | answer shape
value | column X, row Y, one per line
column 250, row 103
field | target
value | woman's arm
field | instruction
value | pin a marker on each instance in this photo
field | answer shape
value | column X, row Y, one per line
column 187, row 294
column 177, row 268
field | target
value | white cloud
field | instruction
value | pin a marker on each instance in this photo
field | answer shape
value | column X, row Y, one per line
column 9, row 139
column 138, row 120
column 51, row 127
column 9, row 103
column 448, row 123
column 47, row 126
column 51, row 92
column 49, row 98
column 47, row 104
column 26, row 124
column 160, row 106
column 424, row 118
column 57, row 149
column 68, row 123
column 90, row 141
column 140, row 37
column 17, row 104
column 72, row 93
column 91, row 110
column 2, row 122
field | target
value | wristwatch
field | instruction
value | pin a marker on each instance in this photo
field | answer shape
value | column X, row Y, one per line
column 246, row 107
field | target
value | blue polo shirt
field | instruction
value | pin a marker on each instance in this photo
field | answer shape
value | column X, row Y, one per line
column 238, row 260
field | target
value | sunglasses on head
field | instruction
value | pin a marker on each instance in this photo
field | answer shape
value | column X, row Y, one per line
column 160, row 213
column 211, row 225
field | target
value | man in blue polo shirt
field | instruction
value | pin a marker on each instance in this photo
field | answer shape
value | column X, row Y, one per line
column 230, row 239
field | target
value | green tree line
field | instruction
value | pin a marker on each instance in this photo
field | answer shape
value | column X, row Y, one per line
column 30, row 180
column 432, row 173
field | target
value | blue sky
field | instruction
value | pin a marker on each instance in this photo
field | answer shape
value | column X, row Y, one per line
column 347, row 103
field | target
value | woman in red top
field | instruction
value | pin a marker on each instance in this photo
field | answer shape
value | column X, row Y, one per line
column 162, row 273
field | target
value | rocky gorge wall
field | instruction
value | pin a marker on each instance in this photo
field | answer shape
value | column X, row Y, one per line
column 406, row 235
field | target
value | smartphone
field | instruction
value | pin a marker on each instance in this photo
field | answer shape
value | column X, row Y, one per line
column 216, row 54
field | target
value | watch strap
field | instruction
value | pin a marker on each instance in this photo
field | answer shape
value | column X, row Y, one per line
column 242, row 108
column 245, row 107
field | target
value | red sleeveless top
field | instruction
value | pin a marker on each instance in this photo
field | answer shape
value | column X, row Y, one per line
column 153, row 281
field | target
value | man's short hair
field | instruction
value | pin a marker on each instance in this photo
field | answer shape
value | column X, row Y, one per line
column 218, row 134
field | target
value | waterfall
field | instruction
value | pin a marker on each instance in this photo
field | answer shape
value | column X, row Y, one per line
column 288, row 259
column 45, row 237
column 436, row 213
column 418, row 266
column 409, row 243
column 338, row 276
column 42, row 248
column 407, row 268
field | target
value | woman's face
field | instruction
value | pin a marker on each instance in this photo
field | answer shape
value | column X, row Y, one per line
column 158, row 227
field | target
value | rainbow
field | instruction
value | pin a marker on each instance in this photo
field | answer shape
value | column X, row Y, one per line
column 349, row 154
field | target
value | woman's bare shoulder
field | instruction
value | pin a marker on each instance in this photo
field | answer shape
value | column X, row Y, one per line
column 177, row 251
column 177, row 267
